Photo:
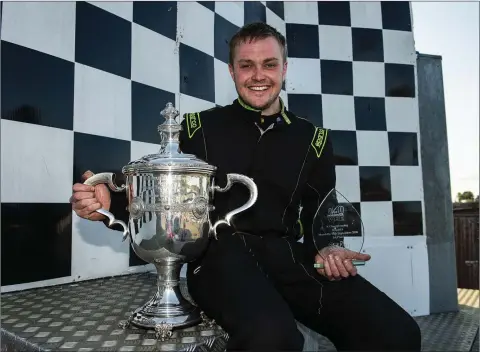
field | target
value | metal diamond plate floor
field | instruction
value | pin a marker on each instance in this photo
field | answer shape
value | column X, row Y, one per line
column 84, row 317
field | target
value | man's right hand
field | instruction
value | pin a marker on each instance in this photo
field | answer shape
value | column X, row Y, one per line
column 87, row 199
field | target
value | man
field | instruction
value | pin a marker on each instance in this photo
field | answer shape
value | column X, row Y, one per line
column 257, row 279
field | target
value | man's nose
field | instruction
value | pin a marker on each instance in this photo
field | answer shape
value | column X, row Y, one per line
column 258, row 74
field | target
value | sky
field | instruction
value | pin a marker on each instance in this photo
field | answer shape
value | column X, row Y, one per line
column 450, row 29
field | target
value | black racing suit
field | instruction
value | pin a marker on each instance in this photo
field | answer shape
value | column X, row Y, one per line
column 289, row 159
column 257, row 279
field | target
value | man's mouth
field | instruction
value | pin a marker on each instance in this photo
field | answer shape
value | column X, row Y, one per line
column 258, row 88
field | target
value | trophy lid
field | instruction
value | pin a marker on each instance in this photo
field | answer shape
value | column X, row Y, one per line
column 169, row 158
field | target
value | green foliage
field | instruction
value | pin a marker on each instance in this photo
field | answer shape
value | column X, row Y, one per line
column 466, row 196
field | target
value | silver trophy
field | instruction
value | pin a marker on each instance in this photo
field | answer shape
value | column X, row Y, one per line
column 169, row 202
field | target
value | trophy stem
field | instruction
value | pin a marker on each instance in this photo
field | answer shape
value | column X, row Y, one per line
column 168, row 309
column 170, row 297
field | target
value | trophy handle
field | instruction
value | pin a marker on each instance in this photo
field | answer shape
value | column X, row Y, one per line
column 231, row 179
column 107, row 178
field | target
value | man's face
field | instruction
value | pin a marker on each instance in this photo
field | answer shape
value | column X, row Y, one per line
column 258, row 72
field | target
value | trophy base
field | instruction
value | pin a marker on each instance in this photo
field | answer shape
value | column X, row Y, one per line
column 162, row 325
column 168, row 309
column 151, row 318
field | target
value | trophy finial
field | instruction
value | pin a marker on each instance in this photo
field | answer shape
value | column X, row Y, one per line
column 169, row 112
column 169, row 131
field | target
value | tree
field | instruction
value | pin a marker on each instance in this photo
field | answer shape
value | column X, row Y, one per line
column 466, row 196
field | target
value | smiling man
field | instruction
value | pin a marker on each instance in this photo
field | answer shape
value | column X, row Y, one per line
column 256, row 280
column 259, row 89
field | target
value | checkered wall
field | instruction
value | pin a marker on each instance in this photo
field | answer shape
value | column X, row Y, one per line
column 82, row 85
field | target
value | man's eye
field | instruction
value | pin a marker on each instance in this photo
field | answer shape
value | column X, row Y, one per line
column 244, row 66
column 271, row 65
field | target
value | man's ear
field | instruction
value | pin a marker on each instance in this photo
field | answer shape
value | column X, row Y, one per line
column 230, row 69
column 284, row 72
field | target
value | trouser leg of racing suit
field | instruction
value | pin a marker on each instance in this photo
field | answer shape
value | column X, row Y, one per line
column 352, row 313
column 256, row 288
column 230, row 288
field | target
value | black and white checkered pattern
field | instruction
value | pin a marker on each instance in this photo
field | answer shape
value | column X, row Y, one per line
column 83, row 85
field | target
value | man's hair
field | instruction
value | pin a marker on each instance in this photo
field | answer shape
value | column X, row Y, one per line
column 256, row 31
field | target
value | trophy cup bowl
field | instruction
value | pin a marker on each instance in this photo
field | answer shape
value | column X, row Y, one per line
column 170, row 198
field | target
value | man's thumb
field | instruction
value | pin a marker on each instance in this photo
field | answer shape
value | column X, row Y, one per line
column 86, row 175
column 362, row 256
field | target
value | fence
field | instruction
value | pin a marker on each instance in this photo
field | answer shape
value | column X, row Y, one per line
column 466, row 219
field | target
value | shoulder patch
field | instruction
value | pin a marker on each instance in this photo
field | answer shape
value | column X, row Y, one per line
column 319, row 140
column 193, row 123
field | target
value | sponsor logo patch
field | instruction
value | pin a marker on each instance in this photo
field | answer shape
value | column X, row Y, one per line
column 319, row 140
column 193, row 123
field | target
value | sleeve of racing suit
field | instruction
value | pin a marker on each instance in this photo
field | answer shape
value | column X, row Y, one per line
column 119, row 200
column 321, row 180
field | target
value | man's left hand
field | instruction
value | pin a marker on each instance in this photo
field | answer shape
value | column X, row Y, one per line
column 337, row 262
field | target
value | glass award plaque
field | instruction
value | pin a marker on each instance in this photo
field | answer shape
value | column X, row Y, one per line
column 337, row 223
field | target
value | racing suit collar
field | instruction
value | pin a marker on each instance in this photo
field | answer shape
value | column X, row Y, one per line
column 256, row 114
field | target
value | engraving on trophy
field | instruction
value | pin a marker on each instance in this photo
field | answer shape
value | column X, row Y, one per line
column 199, row 207
column 137, row 207
column 170, row 196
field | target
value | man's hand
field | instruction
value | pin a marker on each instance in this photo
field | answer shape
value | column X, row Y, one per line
column 337, row 262
column 87, row 199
